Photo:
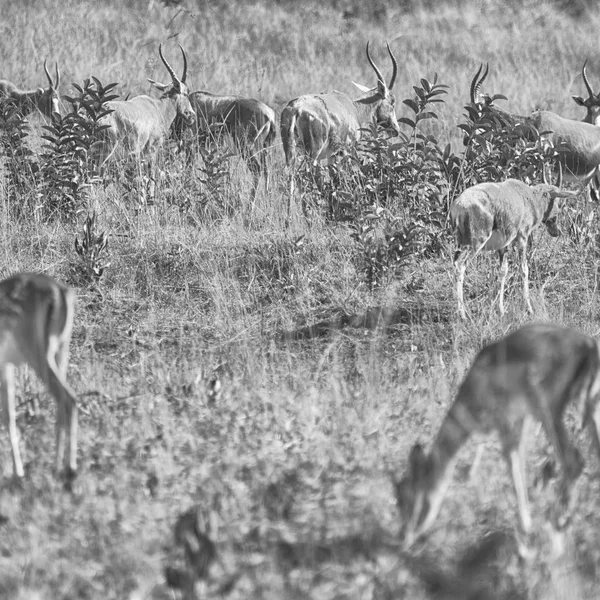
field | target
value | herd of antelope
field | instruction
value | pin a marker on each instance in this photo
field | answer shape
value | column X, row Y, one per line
column 532, row 374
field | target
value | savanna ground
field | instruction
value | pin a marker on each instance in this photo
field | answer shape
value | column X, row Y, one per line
column 289, row 464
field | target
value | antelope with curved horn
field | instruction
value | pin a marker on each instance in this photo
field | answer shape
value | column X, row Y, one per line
column 140, row 124
column 320, row 124
column 248, row 122
column 591, row 103
column 577, row 142
column 45, row 100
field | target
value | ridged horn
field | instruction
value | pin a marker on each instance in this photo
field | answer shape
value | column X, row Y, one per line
column 586, row 81
column 48, row 74
column 167, row 65
column 184, row 76
column 476, row 85
column 395, row 66
column 377, row 71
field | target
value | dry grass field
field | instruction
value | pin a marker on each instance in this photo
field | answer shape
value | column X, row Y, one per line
column 288, row 464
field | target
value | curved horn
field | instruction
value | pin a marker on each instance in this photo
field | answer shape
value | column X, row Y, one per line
column 167, row 65
column 184, row 76
column 585, row 80
column 48, row 74
column 379, row 75
column 476, row 85
column 395, row 65
column 57, row 84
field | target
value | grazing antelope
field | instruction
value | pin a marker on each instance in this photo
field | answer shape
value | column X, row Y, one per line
column 46, row 100
column 36, row 320
column 533, row 373
column 591, row 103
column 319, row 124
column 577, row 142
column 140, row 124
column 495, row 216
column 248, row 122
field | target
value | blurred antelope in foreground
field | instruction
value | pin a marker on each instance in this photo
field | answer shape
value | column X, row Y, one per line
column 591, row 103
column 495, row 216
column 248, row 122
column 46, row 100
column 138, row 125
column 36, row 320
column 577, row 142
column 318, row 125
column 533, row 373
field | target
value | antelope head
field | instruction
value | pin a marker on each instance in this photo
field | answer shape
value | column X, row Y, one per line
column 49, row 98
column 591, row 103
column 385, row 113
column 177, row 90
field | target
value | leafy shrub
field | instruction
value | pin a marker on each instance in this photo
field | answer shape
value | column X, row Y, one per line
column 500, row 146
column 69, row 163
column 394, row 192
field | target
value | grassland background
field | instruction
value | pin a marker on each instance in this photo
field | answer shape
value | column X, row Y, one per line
column 300, row 443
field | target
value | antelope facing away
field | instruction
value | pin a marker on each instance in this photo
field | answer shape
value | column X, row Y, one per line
column 532, row 374
column 36, row 320
column 495, row 216
column 577, row 142
column 318, row 125
column 46, row 100
column 140, row 124
column 591, row 103
column 248, row 122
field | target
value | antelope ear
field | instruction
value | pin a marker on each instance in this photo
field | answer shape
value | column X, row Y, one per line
column 363, row 88
column 563, row 194
column 579, row 100
column 159, row 86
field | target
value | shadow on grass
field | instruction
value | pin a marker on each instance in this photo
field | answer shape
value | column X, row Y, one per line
column 374, row 318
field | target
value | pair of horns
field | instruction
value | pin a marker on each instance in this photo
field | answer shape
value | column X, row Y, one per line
column 53, row 85
column 170, row 69
column 378, row 72
column 476, row 82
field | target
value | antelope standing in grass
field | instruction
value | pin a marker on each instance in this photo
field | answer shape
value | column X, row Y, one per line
column 36, row 320
column 318, row 125
column 577, row 142
column 495, row 216
column 46, row 100
column 248, row 122
column 532, row 374
column 591, row 103
column 139, row 125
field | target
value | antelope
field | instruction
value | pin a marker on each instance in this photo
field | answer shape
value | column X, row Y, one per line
column 577, row 142
column 46, row 100
column 591, row 103
column 138, row 125
column 248, row 122
column 320, row 124
column 495, row 216
column 532, row 374
column 36, row 320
